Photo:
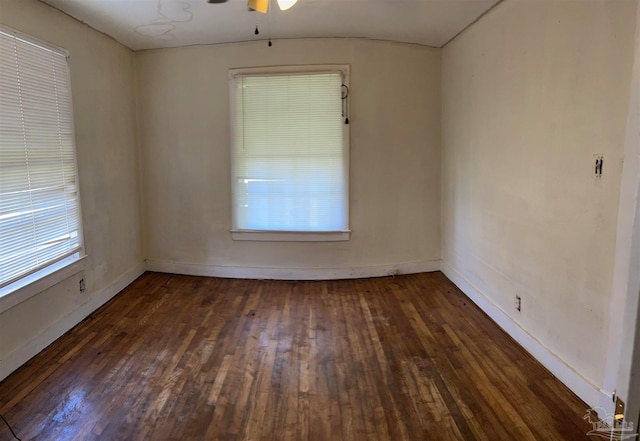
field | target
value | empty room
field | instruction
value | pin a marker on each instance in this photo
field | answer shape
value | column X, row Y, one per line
column 319, row 220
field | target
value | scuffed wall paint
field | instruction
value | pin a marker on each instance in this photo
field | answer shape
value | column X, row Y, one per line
column 394, row 154
column 530, row 94
column 104, row 117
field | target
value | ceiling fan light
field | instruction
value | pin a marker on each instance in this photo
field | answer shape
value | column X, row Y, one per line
column 286, row 4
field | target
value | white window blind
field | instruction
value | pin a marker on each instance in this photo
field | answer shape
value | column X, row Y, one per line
column 39, row 206
column 289, row 153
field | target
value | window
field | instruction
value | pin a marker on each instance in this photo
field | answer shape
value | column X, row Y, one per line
column 289, row 154
column 39, row 201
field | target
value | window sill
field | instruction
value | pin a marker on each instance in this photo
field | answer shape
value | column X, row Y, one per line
column 27, row 287
column 291, row 236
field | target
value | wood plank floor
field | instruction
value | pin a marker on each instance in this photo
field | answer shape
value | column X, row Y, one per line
column 194, row 358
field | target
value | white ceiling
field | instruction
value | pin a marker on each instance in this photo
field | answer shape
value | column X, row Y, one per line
column 147, row 24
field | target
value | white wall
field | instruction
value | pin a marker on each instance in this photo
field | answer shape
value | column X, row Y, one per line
column 622, row 372
column 104, row 113
column 395, row 161
column 530, row 93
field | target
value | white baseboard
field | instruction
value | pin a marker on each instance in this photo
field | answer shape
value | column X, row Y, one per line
column 234, row 272
column 582, row 387
column 563, row 371
column 606, row 402
column 25, row 352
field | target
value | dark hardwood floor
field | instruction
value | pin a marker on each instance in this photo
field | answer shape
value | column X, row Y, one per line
column 194, row 358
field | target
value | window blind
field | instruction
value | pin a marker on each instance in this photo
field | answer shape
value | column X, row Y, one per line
column 289, row 154
column 39, row 206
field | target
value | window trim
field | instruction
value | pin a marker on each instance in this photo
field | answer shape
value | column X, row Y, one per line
column 39, row 279
column 34, row 41
column 289, row 236
column 33, row 284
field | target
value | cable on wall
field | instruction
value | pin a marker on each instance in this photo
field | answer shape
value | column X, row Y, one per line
column 345, row 103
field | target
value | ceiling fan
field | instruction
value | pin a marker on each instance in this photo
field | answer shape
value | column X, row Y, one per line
column 261, row 5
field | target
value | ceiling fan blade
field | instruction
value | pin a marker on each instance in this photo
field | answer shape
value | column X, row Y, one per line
column 216, row 1
column 259, row 5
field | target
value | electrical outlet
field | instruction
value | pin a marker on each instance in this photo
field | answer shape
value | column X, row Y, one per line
column 597, row 167
column 518, row 303
column 82, row 286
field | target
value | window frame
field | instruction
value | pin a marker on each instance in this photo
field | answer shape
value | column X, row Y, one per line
column 41, row 278
column 278, row 235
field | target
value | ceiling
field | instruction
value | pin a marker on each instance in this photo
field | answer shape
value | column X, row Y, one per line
column 148, row 24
